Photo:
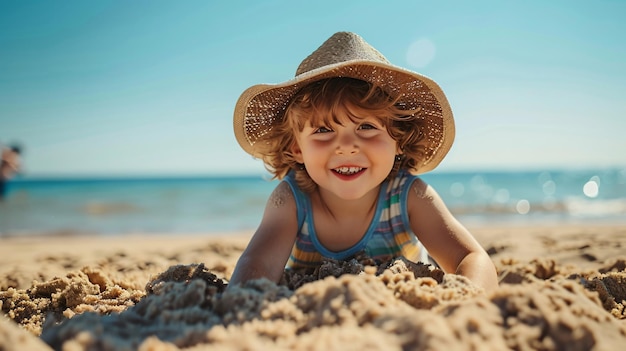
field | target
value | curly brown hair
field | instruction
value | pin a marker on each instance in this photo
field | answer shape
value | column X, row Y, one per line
column 320, row 103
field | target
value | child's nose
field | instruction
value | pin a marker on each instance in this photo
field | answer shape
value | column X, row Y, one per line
column 347, row 144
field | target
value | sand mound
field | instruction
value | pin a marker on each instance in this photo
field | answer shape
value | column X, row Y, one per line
column 12, row 337
column 128, row 297
column 398, row 305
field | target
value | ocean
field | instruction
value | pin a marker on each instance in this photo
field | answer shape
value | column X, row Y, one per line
column 119, row 206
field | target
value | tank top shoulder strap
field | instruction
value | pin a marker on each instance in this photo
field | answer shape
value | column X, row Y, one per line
column 405, row 181
column 299, row 196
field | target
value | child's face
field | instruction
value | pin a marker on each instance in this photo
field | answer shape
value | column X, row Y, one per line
column 350, row 159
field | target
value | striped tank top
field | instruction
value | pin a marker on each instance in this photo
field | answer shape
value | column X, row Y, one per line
column 389, row 234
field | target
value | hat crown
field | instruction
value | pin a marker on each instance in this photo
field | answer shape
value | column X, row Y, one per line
column 341, row 47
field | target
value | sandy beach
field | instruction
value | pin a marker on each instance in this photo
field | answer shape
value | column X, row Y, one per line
column 562, row 287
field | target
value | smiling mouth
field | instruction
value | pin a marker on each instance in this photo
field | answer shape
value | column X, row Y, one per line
column 348, row 170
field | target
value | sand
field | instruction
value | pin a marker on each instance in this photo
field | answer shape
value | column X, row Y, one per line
column 561, row 288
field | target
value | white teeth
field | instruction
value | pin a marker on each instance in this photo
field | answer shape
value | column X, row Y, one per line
column 348, row 170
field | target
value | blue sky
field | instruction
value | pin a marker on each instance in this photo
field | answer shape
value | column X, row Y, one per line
column 148, row 87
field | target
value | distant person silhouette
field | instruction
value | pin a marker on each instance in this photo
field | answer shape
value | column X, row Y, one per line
column 9, row 166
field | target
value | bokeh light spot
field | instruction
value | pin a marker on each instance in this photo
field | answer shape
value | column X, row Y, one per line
column 522, row 206
column 457, row 189
column 549, row 187
column 502, row 196
column 591, row 189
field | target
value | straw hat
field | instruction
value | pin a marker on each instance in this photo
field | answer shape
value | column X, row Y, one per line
column 347, row 55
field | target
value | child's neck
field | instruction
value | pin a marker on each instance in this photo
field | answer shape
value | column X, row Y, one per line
column 342, row 208
column 340, row 223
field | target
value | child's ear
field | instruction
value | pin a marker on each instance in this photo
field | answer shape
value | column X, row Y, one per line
column 297, row 153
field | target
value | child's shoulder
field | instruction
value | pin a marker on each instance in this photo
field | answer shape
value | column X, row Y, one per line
column 282, row 194
column 410, row 183
column 405, row 179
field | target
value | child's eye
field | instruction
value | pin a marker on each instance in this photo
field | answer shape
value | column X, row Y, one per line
column 323, row 130
column 367, row 126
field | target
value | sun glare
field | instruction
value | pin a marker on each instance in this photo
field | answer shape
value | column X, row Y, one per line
column 420, row 53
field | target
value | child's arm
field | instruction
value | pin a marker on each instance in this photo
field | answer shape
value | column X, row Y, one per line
column 447, row 240
column 271, row 244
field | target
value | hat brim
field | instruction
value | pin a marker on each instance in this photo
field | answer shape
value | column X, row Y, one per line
column 260, row 106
